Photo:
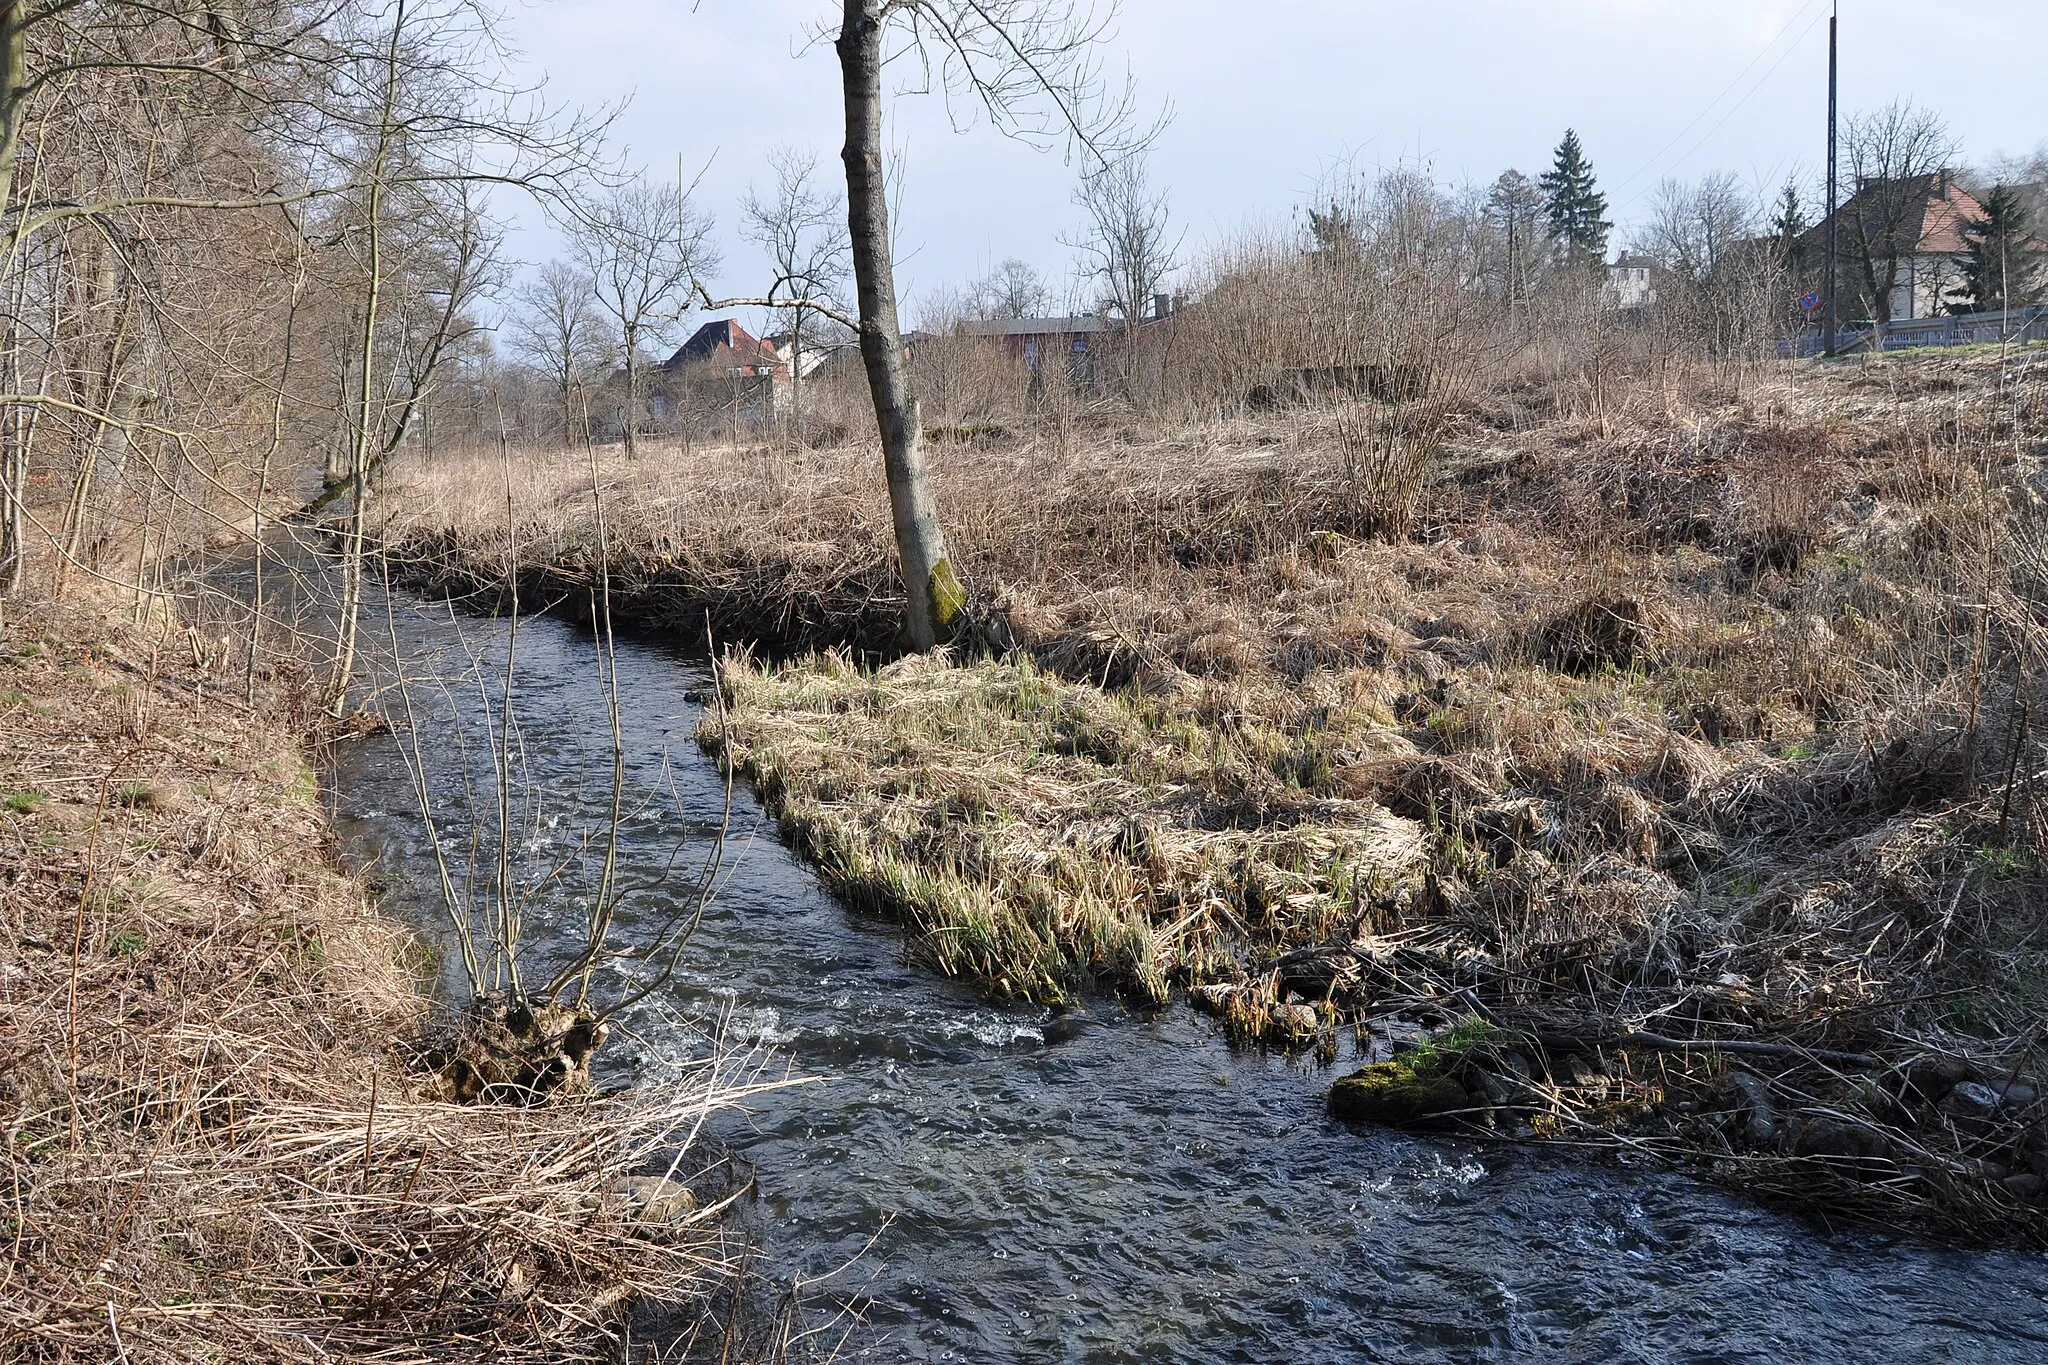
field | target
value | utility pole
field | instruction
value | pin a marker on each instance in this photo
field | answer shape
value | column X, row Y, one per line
column 1834, row 321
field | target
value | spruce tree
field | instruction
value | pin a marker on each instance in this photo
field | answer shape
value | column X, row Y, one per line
column 2004, row 266
column 1789, row 226
column 1575, row 205
column 1334, row 235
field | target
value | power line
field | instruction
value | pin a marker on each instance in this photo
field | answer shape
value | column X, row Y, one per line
column 1761, row 82
column 1736, row 108
column 1762, row 52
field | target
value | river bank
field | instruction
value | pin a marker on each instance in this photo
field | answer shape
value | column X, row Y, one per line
column 988, row 1180
column 1679, row 767
column 217, row 1147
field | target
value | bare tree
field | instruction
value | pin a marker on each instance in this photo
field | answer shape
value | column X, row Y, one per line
column 1896, row 155
column 1127, row 245
column 1726, row 273
column 803, row 230
column 415, row 251
column 643, row 244
column 1694, row 228
column 555, row 326
column 1013, row 289
column 1027, row 64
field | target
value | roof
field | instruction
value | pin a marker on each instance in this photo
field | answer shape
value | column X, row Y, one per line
column 1934, row 227
column 1035, row 327
column 723, row 340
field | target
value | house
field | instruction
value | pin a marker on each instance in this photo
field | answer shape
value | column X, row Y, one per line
column 1038, row 342
column 726, row 348
column 801, row 366
column 722, row 368
column 1628, row 281
column 1916, row 221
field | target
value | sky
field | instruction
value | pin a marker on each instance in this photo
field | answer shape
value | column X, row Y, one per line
column 1265, row 95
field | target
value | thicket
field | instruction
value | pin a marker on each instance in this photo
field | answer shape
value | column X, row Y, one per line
column 243, row 250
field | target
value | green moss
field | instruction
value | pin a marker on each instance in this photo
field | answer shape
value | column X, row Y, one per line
column 24, row 803
column 1395, row 1094
column 949, row 598
column 1437, row 1055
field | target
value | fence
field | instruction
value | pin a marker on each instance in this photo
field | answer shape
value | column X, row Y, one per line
column 1960, row 329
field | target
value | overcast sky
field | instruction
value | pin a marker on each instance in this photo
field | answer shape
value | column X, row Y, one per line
column 1266, row 93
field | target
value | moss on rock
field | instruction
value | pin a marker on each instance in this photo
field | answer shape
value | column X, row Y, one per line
column 1394, row 1094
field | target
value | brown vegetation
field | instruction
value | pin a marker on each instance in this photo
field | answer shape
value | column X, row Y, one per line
column 1705, row 696
column 214, row 1148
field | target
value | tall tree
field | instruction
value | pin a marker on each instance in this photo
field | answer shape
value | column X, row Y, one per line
column 1576, row 208
column 1028, row 65
column 2004, row 266
column 1012, row 290
column 803, row 229
column 1695, row 227
column 1788, row 225
column 556, row 327
column 1896, row 155
column 1127, row 245
column 1514, row 206
column 643, row 244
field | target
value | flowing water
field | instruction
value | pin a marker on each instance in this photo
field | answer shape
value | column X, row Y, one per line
column 1111, row 1185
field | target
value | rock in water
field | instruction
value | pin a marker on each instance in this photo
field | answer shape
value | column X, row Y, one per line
column 1390, row 1093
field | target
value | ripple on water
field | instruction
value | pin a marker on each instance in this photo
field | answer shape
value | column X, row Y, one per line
column 1111, row 1186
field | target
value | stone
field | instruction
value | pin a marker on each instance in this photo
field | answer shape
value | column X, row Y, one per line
column 1933, row 1077
column 657, row 1200
column 1874, row 1100
column 1754, row 1103
column 2015, row 1094
column 1833, row 1140
column 1500, row 1091
column 1969, row 1100
column 1392, row 1094
column 2024, row 1186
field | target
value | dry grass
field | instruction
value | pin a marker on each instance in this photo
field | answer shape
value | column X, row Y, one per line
column 1044, row 836
column 1713, row 708
column 213, row 1150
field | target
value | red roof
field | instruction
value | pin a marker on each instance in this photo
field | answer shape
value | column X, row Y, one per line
column 724, row 343
column 1936, row 228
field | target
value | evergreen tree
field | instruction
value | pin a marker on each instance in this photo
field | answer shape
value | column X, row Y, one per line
column 1334, row 236
column 1789, row 226
column 1575, row 205
column 2005, row 265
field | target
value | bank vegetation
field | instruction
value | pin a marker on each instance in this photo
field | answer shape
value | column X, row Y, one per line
column 1651, row 716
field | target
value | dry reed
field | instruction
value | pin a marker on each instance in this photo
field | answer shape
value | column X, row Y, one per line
column 214, row 1149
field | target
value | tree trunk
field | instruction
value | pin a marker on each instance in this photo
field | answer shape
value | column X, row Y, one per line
column 796, row 383
column 632, row 388
column 935, row 597
column 13, row 84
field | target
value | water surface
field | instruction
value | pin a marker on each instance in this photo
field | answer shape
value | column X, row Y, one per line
column 1119, row 1186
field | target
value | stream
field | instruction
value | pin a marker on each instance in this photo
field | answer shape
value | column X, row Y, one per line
column 1108, row 1185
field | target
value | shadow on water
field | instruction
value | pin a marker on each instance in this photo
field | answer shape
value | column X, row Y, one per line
column 1126, row 1187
